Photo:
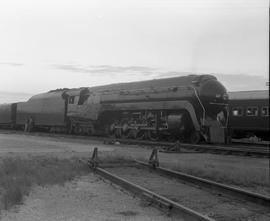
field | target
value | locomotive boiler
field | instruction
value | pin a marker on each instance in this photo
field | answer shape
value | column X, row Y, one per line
column 190, row 108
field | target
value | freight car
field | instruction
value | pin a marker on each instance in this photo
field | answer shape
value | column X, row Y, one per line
column 249, row 114
column 190, row 108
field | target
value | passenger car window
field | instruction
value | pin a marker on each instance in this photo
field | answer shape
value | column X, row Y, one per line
column 252, row 111
column 237, row 111
column 71, row 100
column 265, row 111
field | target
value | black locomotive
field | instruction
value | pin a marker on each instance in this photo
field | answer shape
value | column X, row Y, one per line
column 191, row 108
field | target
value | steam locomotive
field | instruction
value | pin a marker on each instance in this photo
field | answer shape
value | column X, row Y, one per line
column 192, row 108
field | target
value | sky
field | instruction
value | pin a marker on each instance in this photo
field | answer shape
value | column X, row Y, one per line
column 52, row 44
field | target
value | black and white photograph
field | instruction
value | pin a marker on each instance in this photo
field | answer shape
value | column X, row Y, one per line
column 134, row 110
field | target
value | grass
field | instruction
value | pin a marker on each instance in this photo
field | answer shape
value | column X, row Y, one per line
column 113, row 157
column 18, row 175
column 245, row 177
column 248, row 173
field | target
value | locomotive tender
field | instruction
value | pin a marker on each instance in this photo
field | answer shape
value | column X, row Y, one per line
column 190, row 108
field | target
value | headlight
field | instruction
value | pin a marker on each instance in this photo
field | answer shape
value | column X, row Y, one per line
column 225, row 97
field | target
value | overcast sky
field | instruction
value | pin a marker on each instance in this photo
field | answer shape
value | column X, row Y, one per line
column 72, row 43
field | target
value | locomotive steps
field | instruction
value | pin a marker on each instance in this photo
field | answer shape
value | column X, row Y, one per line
column 190, row 197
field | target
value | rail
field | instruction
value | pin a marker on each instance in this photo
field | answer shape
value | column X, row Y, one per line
column 225, row 189
column 159, row 200
column 164, row 202
column 224, row 149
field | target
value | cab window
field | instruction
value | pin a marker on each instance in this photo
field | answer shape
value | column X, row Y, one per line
column 82, row 99
column 237, row 111
column 265, row 111
column 252, row 111
column 71, row 100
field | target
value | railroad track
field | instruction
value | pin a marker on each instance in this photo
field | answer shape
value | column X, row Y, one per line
column 252, row 143
column 169, row 147
column 190, row 197
column 257, row 151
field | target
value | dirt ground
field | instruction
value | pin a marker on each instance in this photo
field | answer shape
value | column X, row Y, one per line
column 86, row 198
column 24, row 143
column 62, row 202
column 246, row 172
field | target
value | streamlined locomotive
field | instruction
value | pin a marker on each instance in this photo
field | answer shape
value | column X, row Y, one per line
column 190, row 108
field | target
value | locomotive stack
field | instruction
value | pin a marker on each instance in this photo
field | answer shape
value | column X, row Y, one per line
column 192, row 109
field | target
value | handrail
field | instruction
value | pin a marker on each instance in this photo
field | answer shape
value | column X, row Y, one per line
column 197, row 96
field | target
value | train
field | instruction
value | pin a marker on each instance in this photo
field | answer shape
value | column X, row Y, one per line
column 249, row 114
column 191, row 108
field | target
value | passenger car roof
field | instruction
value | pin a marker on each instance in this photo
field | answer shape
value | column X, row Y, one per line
column 249, row 95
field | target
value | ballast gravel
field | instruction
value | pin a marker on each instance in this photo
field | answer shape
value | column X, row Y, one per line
column 209, row 203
